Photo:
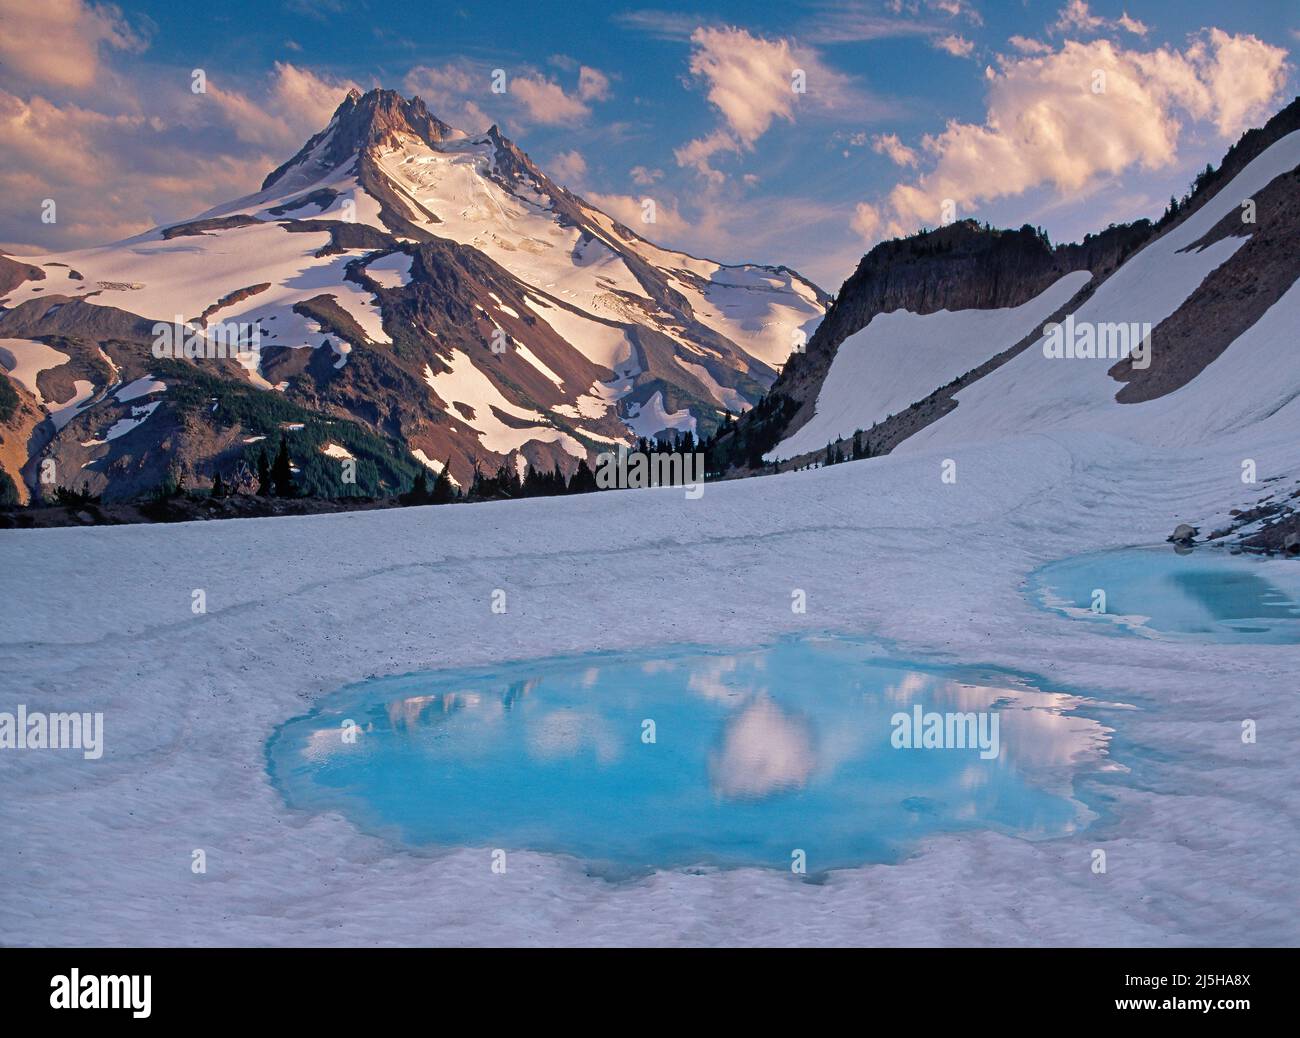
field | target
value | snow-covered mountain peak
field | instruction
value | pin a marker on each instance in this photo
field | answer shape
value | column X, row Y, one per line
column 432, row 286
column 362, row 121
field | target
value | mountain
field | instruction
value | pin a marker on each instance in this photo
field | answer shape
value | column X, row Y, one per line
column 419, row 295
column 937, row 340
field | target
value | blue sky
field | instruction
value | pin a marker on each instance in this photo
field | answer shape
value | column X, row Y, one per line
column 908, row 103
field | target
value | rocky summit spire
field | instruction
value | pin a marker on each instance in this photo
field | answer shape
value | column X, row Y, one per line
column 360, row 122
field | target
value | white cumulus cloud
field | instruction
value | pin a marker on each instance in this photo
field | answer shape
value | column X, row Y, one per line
column 1047, row 124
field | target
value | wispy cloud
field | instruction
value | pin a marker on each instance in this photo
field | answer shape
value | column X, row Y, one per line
column 461, row 92
column 889, row 145
column 117, row 173
column 644, row 176
column 593, row 84
column 319, row 10
column 1077, row 17
column 547, row 102
column 841, row 21
column 455, row 91
column 752, row 81
column 957, row 46
column 1027, row 45
column 663, row 25
column 88, row 121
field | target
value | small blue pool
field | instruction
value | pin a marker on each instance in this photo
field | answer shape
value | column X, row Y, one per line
column 1208, row 594
column 812, row 747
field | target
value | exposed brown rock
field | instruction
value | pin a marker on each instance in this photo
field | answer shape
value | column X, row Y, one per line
column 1231, row 298
column 215, row 223
column 230, row 299
column 14, row 272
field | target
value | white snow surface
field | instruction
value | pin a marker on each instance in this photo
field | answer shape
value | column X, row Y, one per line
column 901, row 357
column 652, row 417
column 391, row 271
column 124, row 425
column 25, row 359
column 758, row 308
column 433, row 464
column 83, row 393
column 140, row 387
column 1201, row 849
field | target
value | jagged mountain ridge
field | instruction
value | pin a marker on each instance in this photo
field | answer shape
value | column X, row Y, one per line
column 382, row 264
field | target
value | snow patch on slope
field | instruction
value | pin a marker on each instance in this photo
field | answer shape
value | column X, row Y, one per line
column 25, row 359
column 473, row 398
column 83, row 393
column 140, row 387
column 901, row 357
column 652, row 417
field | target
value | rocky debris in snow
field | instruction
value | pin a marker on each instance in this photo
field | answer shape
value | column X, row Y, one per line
column 322, row 198
column 229, row 299
column 215, row 223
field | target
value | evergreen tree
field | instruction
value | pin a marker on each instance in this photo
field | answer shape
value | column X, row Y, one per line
column 263, row 474
column 584, row 480
column 508, row 483
column 8, row 489
column 443, row 492
column 419, row 492
column 282, row 472
column 858, row 451
column 218, row 486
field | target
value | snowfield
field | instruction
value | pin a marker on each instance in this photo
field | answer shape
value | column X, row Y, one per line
column 1202, row 834
column 1201, row 837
